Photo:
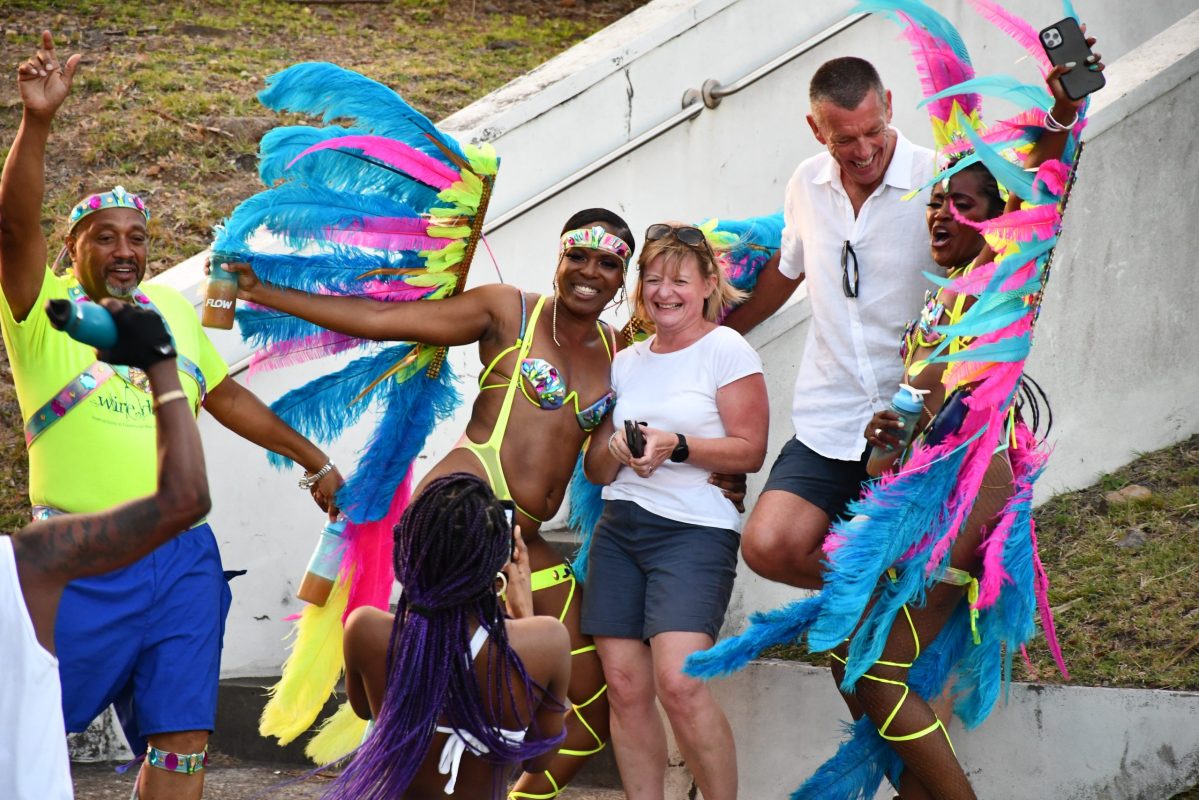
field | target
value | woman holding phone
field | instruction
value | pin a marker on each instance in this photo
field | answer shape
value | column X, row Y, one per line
column 904, row 718
column 664, row 553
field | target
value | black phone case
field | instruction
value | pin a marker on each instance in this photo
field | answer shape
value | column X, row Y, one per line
column 1079, row 81
column 634, row 438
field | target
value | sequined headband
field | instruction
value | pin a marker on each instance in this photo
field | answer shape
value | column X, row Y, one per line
column 596, row 238
column 117, row 198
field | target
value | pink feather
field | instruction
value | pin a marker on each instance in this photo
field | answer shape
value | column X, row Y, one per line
column 300, row 350
column 1024, row 34
column 993, row 574
column 970, row 476
column 1025, row 224
column 370, row 549
column 994, row 380
column 1015, row 130
column 408, row 160
column 387, row 233
column 1053, row 175
column 939, row 68
column 393, row 291
column 1047, row 625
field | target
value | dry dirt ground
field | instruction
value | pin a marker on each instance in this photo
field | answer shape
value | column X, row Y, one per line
column 233, row 780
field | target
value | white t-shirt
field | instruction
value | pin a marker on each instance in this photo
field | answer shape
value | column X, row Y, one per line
column 677, row 392
column 851, row 363
column 33, row 736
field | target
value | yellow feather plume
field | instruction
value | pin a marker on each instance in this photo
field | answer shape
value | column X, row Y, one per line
column 311, row 671
column 337, row 737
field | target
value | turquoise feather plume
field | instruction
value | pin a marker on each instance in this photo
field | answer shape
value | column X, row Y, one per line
column 323, row 408
column 932, row 21
column 786, row 625
column 333, row 169
column 586, row 506
column 301, row 214
column 1021, row 94
column 327, row 90
column 413, row 408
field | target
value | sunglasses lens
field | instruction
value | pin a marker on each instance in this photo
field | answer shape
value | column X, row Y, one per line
column 655, row 232
column 691, row 236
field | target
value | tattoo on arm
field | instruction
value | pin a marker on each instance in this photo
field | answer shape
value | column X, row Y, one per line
column 76, row 545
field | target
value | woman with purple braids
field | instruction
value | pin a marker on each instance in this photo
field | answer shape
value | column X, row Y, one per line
column 456, row 690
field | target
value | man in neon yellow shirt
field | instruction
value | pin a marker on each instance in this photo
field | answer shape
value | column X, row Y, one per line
column 147, row 637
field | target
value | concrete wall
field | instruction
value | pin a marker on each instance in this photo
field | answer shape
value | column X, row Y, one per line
column 729, row 161
column 1073, row 743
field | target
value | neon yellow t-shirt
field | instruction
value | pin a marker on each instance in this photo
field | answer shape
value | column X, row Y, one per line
column 104, row 451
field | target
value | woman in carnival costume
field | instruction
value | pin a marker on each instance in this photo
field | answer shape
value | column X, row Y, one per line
column 936, row 580
column 456, row 690
column 544, row 388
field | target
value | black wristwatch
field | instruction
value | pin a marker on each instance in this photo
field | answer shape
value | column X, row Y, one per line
column 681, row 451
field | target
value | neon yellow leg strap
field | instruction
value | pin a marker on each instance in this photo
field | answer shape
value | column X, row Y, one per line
column 545, row 579
column 514, row 795
column 920, row 734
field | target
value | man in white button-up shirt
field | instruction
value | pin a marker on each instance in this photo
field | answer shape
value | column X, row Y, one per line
column 862, row 249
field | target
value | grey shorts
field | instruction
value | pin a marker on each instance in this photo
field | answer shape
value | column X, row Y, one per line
column 827, row 483
column 648, row 575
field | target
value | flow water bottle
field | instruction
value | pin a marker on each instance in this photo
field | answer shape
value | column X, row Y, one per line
column 89, row 323
column 220, row 295
column 323, row 566
column 908, row 402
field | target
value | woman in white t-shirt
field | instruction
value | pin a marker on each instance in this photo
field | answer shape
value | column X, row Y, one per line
column 664, row 554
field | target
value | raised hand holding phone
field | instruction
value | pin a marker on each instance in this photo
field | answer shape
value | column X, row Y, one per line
column 1065, row 43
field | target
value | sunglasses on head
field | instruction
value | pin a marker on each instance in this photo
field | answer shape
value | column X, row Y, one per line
column 687, row 234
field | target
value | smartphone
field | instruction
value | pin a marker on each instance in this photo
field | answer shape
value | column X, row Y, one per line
column 1064, row 41
column 509, row 507
column 634, row 438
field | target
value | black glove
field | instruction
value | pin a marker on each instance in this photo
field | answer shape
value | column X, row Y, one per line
column 142, row 338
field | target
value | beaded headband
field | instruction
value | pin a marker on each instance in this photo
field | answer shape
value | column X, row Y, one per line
column 117, row 198
column 596, row 238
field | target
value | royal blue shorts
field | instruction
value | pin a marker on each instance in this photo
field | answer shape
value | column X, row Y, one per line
column 147, row 639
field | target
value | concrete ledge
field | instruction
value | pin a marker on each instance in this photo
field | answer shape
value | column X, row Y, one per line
column 1064, row 742
column 1145, row 74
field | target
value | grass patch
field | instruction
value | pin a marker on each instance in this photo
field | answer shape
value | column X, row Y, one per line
column 1122, row 576
column 157, row 78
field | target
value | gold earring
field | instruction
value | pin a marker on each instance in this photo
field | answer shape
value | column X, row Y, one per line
column 502, row 578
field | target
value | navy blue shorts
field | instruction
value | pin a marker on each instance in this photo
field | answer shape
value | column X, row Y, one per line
column 648, row 574
column 830, row 484
column 146, row 638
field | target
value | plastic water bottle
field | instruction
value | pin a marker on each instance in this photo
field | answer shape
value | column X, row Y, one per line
column 908, row 403
column 323, row 566
column 220, row 295
column 89, row 323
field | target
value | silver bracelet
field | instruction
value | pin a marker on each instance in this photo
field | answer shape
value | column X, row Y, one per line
column 308, row 481
column 1051, row 123
column 612, row 439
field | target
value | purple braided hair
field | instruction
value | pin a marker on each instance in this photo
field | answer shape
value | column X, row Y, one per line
column 448, row 547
